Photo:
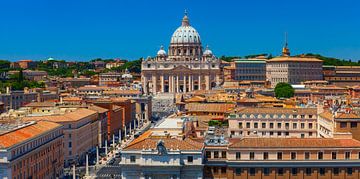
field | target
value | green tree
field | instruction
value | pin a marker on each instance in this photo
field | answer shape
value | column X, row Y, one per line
column 284, row 90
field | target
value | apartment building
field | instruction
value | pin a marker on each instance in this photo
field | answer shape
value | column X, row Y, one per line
column 81, row 132
column 283, row 158
column 162, row 157
column 273, row 122
column 331, row 123
column 31, row 150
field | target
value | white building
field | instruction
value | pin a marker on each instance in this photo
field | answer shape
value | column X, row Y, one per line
column 162, row 157
column 185, row 68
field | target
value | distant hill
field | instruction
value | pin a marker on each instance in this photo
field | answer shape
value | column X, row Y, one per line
column 333, row 61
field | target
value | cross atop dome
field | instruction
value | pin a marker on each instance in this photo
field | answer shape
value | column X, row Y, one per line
column 185, row 20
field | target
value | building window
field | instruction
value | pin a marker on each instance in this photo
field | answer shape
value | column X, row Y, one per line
column 240, row 125
column 263, row 125
column 333, row 155
column 208, row 154
column 271, row 133
column 132, row 159
column 238, row 155
column 266, row 155
column 238, row 171
column 336, row 171
column 307, row 155
column 266, row 171
column 310, row 134
column 271, row 125
column 293, row 155
column 320, row 155
column 190, row 159
column 216, row 154
column 252, row 171
column 223, row 154
column 215, row 170
column 353, row 124
column 248, row 125
column 343, row 124
column 347, row 155
column 302, row 125
column 255, row 125
column 70, row 145
column 322, row 171
column 310, row 125
column 280, row 171
column 252, row 155
column 279, row 125
column 279, row 133
column 287, row 125
column 294, row 125
column 349, row 171
column 279, row 155
column 294, row 171
column 223, row 170
column 286, row 133
column 308, row 171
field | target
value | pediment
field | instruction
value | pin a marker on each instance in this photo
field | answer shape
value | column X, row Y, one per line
column 181, row 68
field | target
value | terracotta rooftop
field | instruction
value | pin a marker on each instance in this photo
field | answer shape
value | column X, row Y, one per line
column 97, row 109
column 22, row 134
column 195, row 99
column 170, row 143
column 275, row 110
column 209, row 107
column 294, row 143
column 327, row 115
column 294, row 59
column 41, row 104
column 134, row 92
column 71, row 116
column 347, row 116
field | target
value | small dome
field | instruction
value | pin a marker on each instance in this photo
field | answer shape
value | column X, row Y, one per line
column 208, row 52
column 161, row 52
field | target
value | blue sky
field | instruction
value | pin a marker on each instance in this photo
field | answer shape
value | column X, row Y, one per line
column 87, row 29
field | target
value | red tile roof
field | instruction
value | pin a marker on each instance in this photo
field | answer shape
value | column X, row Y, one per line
column 294, row 143
column 20, row 135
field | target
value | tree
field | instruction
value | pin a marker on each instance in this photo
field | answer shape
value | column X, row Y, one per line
column 284, row 90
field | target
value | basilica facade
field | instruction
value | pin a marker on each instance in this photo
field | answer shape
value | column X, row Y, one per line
column 186, row 67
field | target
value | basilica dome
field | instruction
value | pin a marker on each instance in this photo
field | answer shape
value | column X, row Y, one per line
column 185, row 33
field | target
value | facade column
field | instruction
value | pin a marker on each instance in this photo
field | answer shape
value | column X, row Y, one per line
column 207, row 81
column 177, row 83
column 217, row 79
column 162, row 83
column 184, row 88
column 145, row 87
column 170, row 84
column 154, row 84
column 173, row 84
column 146, row 112
column 199, row 83
column 190, row 83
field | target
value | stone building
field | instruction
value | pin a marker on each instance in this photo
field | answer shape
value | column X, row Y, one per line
column 293, row 70
column 185, row 68
column 250, row 69
column 274, row 122
column 162, row 157
column 31, row 150
column 282, row 158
